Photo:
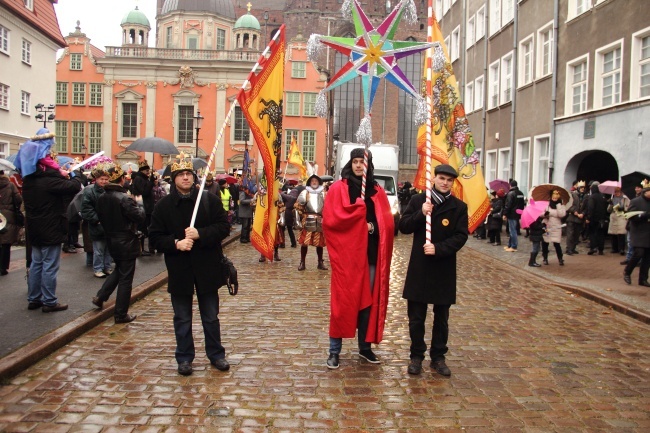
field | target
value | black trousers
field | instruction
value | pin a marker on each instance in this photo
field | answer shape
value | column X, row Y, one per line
column 417, row 313
column 596, row 236
column 245, row 228
column 573, row 231
column 122, row 279
column 639, row 255
column 5, row 257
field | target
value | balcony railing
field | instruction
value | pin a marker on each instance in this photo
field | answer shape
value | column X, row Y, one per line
column 176, row 54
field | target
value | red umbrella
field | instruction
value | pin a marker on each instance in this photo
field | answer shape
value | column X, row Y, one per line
column 228, row 178
column 531, row 212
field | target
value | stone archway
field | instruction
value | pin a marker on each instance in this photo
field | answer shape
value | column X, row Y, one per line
column 591, row 165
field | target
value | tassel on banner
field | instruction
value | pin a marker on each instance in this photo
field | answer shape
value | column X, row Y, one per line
column 438, row 61
column 421, row 110
column 410, row 12
column 364, row 133
column 314, row 47
column 346, row 9
column 320, row 107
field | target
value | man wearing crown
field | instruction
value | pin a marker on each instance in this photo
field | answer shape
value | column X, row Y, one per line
column 193, row 257
column 142, row 184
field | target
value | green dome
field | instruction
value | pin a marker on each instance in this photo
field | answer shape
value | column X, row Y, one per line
column 247, row 21
column 136, row 17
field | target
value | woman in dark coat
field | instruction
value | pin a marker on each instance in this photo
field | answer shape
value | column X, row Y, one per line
column 8, row 196
column 495, row 219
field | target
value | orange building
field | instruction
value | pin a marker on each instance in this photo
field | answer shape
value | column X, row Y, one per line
column 200, row 61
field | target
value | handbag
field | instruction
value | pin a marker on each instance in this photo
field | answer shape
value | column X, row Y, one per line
column 19, row 216
column 230, row 272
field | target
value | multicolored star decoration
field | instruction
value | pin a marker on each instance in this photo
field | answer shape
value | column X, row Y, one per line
column 373, row 55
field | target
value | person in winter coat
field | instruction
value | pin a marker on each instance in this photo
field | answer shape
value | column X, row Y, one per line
column 640, row 237
column 596, row 219
column 431, row 274
column 618, row 204
column 553, row 221
column 245, row 215
column 10, row 199
column 142, row 184
column 101, row 255
column 514, row 200
column 193, row 257
column 119, row 215
column 495, row 220
column 576, row 217
column 46, row 193
column 536, row 233
column 211, row 185
column 360, row 235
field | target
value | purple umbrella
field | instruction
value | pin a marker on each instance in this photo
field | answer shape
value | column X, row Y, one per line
column 497, row 184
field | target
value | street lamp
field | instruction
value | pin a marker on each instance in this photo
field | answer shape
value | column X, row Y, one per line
column 266, row 21
column 198, row 123
column 45, row 114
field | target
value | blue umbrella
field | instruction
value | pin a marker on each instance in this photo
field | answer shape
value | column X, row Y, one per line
column 64, row 160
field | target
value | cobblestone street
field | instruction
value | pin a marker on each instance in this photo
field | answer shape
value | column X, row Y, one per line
column 525, row 357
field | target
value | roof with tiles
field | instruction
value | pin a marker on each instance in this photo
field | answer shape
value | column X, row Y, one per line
column 42, row 17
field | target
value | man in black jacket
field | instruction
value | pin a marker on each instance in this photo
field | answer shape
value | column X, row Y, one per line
column 119, row 215
column 193, row 257
column 514, row 200
column 640, row 237
column 596, row 219
column 142, row 184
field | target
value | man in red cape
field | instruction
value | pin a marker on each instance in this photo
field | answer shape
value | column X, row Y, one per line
column 359, row 236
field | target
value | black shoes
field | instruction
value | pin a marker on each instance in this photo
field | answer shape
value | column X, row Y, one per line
column 127, row 318
column 369, row 356
column 145, row 254
column 34, row 305
column 221, row 364
column 624, row 262
column 415, row 366
column 591, row 252
column 627, row 278
column 301, row 266
column 53, row 308
column 644, row 283
column 441, row 367
column 98, row 303
column 185, row 368
column 321, row 266
column 561, row 262
column 333, row 361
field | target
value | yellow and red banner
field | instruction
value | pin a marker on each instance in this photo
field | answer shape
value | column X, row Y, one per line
column 262, row 107
column 295, row 158
column 451, row 140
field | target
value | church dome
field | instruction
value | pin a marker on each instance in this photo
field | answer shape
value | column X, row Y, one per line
column 247, row 21
column 136, row 16
column 223, row 8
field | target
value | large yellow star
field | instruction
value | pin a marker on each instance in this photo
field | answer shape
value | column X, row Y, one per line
column 373, row 53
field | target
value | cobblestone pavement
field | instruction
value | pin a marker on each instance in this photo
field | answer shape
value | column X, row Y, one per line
column 525, row 357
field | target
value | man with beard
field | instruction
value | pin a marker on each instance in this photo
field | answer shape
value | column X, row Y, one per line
column 431, row 274
column 193, row 257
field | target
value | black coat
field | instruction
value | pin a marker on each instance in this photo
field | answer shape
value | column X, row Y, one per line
column 202, row 264
column 432, row 279
column 495, row 218
column 46, row 195
column 640, row 224
column 536, row 230
column 510, row 205
column 90, row 196
column 143, row 185
column 596, row 208
column 120, row 215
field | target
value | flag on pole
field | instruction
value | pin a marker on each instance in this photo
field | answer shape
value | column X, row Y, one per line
column 451, row 141
column 262, row 107
column 295, row 158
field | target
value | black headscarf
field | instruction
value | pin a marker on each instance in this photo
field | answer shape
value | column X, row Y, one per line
column 354, row 182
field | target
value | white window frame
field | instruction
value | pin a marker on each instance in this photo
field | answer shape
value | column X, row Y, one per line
column 522, row 163
column 4, row 40
column 470, row 32
column 4, row 149
column 61, row 129
column 29, row 4
column 491, row 164
column 298, row 69
column 221, row 39
column 74, row 63
column 637, row 63
column 541, row 71
column 480, row 23
column 495, row 16
column 290, row 100
column 455, row 44
column 78, row 134
column 307, row 147
column 239, row 124
column 4, row 96
column 95, row 136
column 447, row 41
column 26, row 52
column 572, row 85
column 506, row 78
column 503, row 164
column 469, row 97
column 600, row 75
column 95, row 94
column 507, row 12
column 79, row 94
column 24, row 102
column 526, row 61
column 446, row 5
column 479, row 92
column 540, row 169
column 438, row 10
column 309, row 104
column 494, row 84
column 576, row 8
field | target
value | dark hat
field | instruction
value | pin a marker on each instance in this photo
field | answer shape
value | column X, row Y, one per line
column 445, row 169
column 143, row 165
column 320, row 181
column 221, row 181
column 357, row 152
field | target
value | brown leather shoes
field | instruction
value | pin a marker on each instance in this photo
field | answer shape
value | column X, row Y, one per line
column 125, row 319
column 415, row 366
column 321, row 265
column 441, row 367
column 301, row 266
column 53, row 308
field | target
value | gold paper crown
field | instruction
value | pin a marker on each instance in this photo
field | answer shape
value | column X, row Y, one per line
column 580, row 184
column 101, row 170
column 645, row 183
column 182, row 163
column 114, row 172
column 143, row 165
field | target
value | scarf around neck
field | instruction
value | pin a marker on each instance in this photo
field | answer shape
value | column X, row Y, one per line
column 439, row 198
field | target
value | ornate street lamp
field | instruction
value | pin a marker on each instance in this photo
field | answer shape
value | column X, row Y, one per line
column 266, row 21
column 198, row 123
column 45, row 114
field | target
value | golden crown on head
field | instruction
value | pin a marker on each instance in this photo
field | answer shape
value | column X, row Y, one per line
column 182, row 163
column 143, row 164
column 580, row 184
column 101, row 169
column 114, row 172
column 645, row 183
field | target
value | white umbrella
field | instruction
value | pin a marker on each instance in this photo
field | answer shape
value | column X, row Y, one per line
column 6, row 165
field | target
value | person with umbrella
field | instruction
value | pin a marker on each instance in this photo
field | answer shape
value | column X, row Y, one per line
column 142, row 184
column 553, row 221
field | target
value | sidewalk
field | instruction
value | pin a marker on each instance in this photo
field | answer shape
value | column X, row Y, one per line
column 598, row 278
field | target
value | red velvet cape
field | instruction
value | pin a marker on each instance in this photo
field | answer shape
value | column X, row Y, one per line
column 346, row 231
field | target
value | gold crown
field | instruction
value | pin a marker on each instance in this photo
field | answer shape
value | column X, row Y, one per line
column 143, row 165
column 114, row 172
column 182, row 163
column 101, row 170
column 580, row 184
column 645, row 183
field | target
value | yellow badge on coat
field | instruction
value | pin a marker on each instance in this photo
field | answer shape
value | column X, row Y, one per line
column 445, row 222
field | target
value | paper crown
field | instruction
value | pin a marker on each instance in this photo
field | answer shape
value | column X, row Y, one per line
column 143, row 165
column 182, row 163
column 114, row 172
column 101, row 169
column 580, row 184
column 645, row 183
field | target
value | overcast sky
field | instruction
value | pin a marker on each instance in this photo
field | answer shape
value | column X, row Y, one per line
column 100, row 21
